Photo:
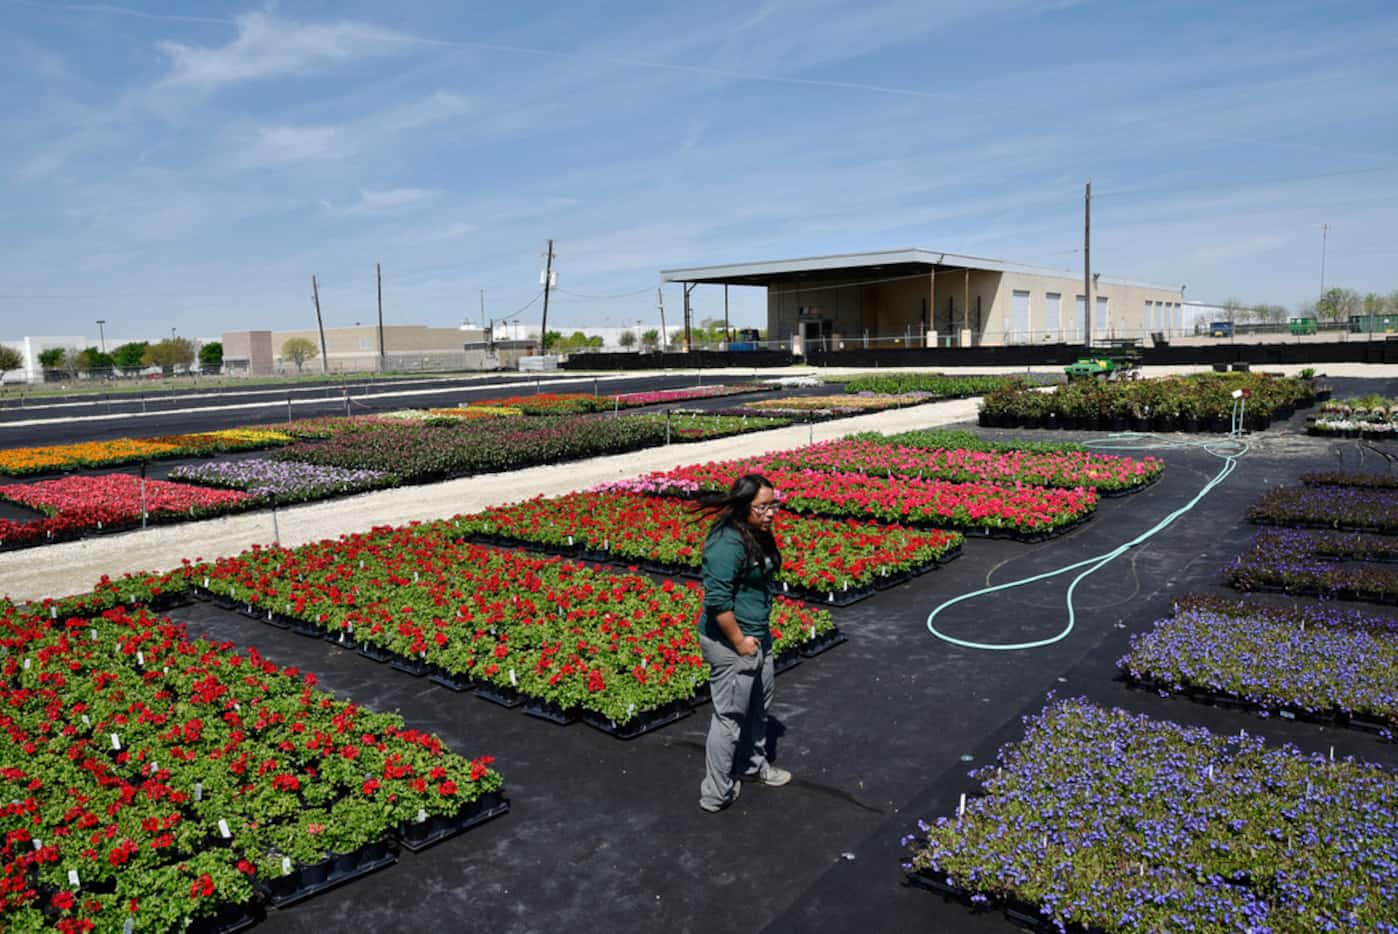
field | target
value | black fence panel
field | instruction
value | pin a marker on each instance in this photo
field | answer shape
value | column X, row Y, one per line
column 699, row 359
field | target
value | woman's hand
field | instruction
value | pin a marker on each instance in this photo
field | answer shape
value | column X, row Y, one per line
column 747, row 645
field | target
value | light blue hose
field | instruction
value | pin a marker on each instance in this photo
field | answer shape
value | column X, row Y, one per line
column 1230, row 449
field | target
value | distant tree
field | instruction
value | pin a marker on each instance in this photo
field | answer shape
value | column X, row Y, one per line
column 10, row 359
column 211, row 356
column 627, row 339
column 676, row 336
column 170, row 353
column 552, row 340
column 55, row 358
column 1233, row 310
column 91, row 359
column 128, row 357
column 1337, row 305
column 650, row 339
column 298, row 350
column 1270, row 314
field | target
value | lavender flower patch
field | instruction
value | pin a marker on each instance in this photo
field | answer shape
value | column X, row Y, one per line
column 285, row 481
column 1274, row 662
column 1303, row 615
column 1123, row 823
column 1340, row 507
column 1351, row 478
column 1343, row 565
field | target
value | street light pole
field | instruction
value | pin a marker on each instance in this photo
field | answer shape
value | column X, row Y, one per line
column 102, row 334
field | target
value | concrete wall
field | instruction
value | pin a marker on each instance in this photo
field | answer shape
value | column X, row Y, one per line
column 1126, row 310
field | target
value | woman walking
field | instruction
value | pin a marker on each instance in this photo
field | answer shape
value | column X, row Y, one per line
column 740, row 560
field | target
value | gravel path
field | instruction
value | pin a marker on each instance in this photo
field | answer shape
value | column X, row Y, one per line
column 73, row 567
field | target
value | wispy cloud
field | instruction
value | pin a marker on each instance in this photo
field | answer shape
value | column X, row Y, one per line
column 380, row 202
column 268, row 47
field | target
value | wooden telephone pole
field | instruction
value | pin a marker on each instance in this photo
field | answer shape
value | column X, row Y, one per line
column 660, row 303
column 548, row 284
column 320, row 325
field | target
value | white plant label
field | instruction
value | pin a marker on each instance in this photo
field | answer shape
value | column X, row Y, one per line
column 38, row 844
column 223, row 829
column 86, row 721
column 206, row 583
column 198, row 791
column 53, row 612
column 128, row 926
column 513, row 681
column 93, row 634
column 286, row 865
column 116, row 742
column 140, row 658
column 421, row 815
column 73, row 878
column 26, row 664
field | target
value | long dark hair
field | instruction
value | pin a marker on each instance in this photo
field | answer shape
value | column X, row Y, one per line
column 730, row 511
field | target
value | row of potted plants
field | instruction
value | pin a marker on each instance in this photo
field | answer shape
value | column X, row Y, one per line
column 957, row 439
column 1102, row 472
column 702, row 426
column 821, row 558
column 1339, row 565
column 832, row 405
column 283, row 481
column 160, row 781
column 1105, row 820
column 58, row 457
column 80, row 504
column 1201, row 402
column 1371, row 416
column 1353, row 508
column 1378, row 481
column 1019, row 511
column 1312, row 660
column 615, row 646
column 939, row 385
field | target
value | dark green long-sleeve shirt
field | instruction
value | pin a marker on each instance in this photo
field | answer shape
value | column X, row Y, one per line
column 732, row 581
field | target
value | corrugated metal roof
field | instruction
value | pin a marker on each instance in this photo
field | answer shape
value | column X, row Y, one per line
column 914, row 256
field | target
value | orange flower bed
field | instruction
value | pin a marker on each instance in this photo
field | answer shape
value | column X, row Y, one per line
column 86, row 454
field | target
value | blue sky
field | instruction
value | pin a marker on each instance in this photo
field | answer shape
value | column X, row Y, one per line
column 192, row 165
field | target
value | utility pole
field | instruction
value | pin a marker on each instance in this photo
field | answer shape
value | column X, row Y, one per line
column 727, row 332
column 320, row 326
column 482, row 309
column 378, row 275
column 1324, row 235
column 1087, row 267
column 548, row 278
column 688, row 342
column 660, row 303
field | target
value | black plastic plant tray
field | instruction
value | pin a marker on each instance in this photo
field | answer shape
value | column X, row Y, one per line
column 823, row 643
column 643, row 722
column 499, row 694
column 417, row 837
column 341, row 870
column 548, row 710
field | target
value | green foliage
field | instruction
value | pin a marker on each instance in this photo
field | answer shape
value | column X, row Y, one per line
column 298, row 350
column 55, row 358
column 1338, row 305
column 130, row 356
column 627, row 339
column 936, row 439
column 10, row 359
column 211, row 356
column 90, row 358
column 650, row 339
column 170, row 353
column 949, row 387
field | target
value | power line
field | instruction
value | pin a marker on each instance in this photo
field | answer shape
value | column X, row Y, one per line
column 605, row 297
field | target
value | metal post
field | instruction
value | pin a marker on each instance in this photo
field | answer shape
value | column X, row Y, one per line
column 288, row 408
column 276, row 530
column 347, row 408
column 143, row 495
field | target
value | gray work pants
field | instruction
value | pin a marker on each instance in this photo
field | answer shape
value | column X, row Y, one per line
column 741, row 688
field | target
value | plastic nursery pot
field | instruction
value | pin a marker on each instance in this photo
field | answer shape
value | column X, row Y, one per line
column 1118, row 423
column 1164, row 423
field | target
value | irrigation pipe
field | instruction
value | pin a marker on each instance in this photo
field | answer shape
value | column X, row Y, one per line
column 1231, row 450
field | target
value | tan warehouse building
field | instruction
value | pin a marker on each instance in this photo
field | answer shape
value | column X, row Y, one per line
column 925, row 298
column 356, row 350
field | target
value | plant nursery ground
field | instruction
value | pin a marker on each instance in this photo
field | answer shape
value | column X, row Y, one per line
column 607, row 835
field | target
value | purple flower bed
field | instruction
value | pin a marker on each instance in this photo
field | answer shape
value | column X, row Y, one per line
column 1315, row 660
column 1354, row 508
column 1351, row 478
column 1118, row 822
column 285, row 481
column 1343, row 565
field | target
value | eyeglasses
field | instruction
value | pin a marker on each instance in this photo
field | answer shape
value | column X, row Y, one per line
column 765, row 510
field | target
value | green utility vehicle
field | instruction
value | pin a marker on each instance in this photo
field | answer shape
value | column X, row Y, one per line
column 1120, row 358
column 1302, row 325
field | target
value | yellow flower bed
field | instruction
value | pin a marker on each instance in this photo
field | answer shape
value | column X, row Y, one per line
column 480, row 411
column 252, row 435
column 85, row 454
